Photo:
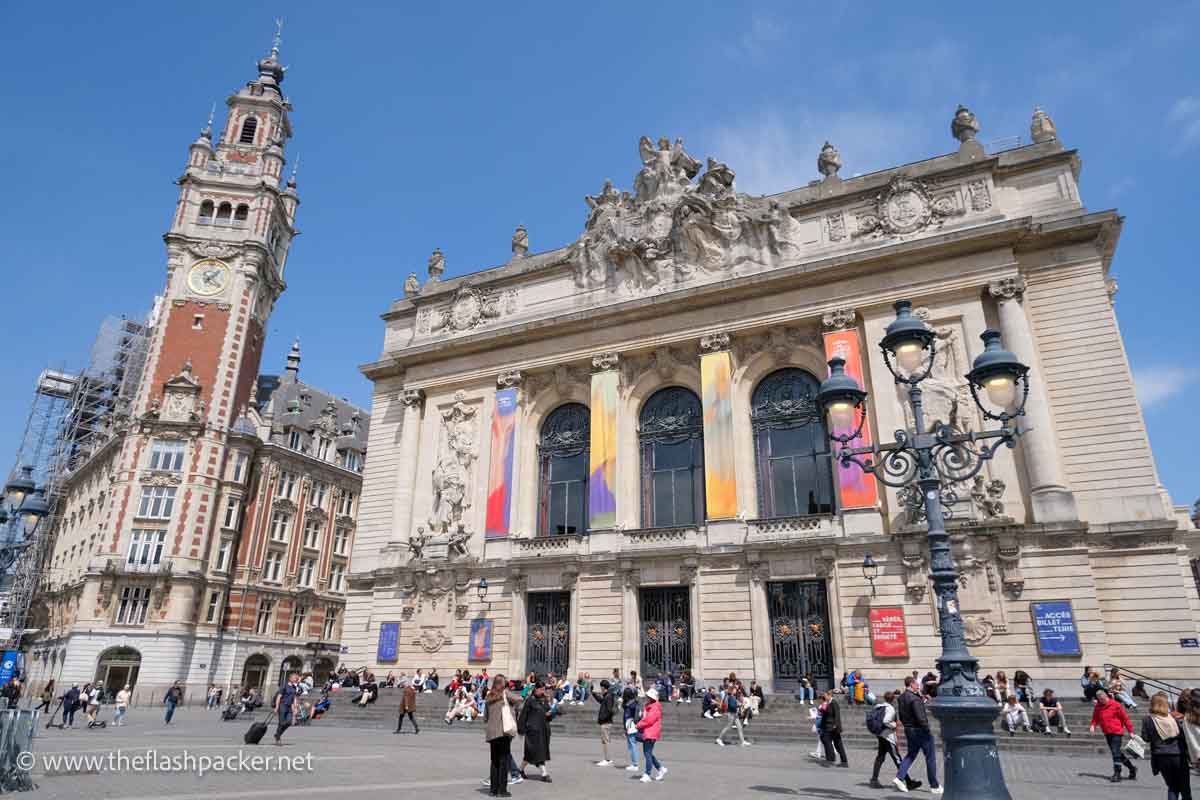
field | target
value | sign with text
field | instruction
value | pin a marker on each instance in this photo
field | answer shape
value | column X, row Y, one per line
column 1054, row 628
column 8, row 667
column 389, row 641
column 889, row 637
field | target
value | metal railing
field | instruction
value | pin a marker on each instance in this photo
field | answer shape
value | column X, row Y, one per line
column 1172, row 691
column 16, row 737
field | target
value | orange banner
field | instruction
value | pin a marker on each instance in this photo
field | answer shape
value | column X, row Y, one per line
column 857, row 487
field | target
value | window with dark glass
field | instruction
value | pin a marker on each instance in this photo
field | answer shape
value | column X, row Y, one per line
column 795, row 470
column 249, row 128
column 563, row 453
column 671, row 438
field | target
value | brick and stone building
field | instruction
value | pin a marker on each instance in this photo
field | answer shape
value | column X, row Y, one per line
column 620, row 437
column 205, row 536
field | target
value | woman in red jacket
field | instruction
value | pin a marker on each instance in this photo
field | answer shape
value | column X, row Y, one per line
column 1113, row 722
column 650, row 726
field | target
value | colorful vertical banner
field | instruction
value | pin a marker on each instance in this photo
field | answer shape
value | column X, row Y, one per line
column 720, row 482
column 857, row 487
column 500, row 476
column 480, row 648
column 389, row 641
column 602, row 497
column 889, row 635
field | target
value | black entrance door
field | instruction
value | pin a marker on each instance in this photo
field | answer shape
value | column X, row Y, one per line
column 666, row 631
column 549, row 644
column 800, row 639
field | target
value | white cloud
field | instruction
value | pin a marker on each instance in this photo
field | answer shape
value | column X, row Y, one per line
column 1185, row 117
column 1158, row 384
column 777, row 150
column 1121, row 187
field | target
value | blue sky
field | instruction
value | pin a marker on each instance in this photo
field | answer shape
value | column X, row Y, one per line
column 447, row 124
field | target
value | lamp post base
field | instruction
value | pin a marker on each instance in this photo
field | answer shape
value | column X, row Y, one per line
column 972, row 764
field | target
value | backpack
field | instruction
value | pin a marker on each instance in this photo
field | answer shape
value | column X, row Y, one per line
column 1038, row 725
column 875, row 719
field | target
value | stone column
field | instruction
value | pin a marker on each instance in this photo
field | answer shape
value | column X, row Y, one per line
column 760, row 622
column 410, row 434
column 630, row 577
column 1050, row 499
column 689, row 576
column 518, row 586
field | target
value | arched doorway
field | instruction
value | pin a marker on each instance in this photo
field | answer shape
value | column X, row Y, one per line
column 322, row 669
column 254, row 674
column 116, row 667
column 290, row 664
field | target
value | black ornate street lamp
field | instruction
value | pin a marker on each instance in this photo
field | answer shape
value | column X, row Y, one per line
column 483, row 590
column 999, row 385
column 22, row 509
column 870, row 571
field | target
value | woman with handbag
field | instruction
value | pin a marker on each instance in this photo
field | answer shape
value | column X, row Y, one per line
column 632, row 712
column 1113, row 722
column 650, row 727
column 499, row 731
column 1167, row 744
column 534, row 725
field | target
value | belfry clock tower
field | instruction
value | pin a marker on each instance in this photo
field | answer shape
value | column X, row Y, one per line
column 227, row 250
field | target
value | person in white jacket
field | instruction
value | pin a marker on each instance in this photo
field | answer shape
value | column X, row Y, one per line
column 1015, row 716
column 886, row 738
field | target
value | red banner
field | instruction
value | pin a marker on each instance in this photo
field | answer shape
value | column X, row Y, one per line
column 889, row 637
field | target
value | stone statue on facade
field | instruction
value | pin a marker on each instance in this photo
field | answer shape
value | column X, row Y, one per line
column 988, row 497
column 437, row 264
column 829, row 161
column 964, row 126
column 451, row 475
column 1041, row 127
column 666, row 169
column 412, row 286
column 520, row 242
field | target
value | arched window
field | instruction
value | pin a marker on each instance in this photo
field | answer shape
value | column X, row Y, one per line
column 249, row 127
column 206, row 211
column 241, row 214
column 795, row 471
column 563, row 453
column 671, row 439
column 224, row 212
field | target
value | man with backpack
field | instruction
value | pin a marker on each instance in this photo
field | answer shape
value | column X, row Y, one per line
column 729, row 706
column 604, row 719
column 918, row 737
column 881, row 721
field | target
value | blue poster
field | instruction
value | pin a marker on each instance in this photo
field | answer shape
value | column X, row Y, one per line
column 8, row 667
column 389, row 641
column 1054, row 626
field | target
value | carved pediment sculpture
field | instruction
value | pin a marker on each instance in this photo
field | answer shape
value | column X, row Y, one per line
column 181, row 398
column 907, row 205
column 470, row 308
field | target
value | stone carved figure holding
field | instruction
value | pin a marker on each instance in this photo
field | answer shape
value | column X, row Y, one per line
column 988, row 496
column 666, row 169
column 964, row 126
column 451, row 475
column 520, row 242
column 412, row 286
column 829, row 161
column 437, row 264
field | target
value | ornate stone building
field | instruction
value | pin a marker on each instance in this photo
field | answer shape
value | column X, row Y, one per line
column 620, row 436
column 206, row 536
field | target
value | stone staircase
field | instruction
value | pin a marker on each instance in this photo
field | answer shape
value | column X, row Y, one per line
column 784, row 721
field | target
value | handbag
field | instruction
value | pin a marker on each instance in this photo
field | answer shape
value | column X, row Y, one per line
column 508, row 719
column 1135, row 747
column 630, row 727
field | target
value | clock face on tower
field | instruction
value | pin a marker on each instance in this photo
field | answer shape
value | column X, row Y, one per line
column 208, row 277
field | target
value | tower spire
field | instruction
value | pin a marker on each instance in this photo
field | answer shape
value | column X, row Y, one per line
column 206, row 132
column 278, row 38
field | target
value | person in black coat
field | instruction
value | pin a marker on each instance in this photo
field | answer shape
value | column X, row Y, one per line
column 1168, row 747
column 831, row 731
column 534, row 724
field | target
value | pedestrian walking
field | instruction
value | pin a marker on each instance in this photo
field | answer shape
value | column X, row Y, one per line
column 650, row 726
column 731, row 707
column 93, row 706
column 918, row 738
column 287, row 701
column 122, row 706
column 534, row 725
column 70, row 701
column 631, row 713
column 172, row 699
column 46, row 697
column 408, row 706
column 604, row 718
column 831, row 731
column 1168, row 748
column 499, row 729
column 1113, row 722
column 881, row 721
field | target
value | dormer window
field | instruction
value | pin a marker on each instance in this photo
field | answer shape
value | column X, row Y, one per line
column 206, row 212
column 352, row 461
column 224, row 212
column 249, row 128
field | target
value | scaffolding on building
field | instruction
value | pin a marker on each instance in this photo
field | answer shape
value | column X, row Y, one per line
column 72, row 416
